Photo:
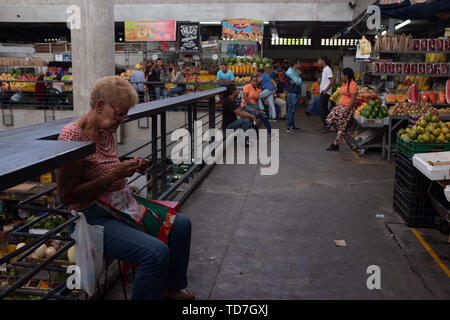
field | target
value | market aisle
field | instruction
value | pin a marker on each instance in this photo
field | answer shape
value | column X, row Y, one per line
column 272, row 237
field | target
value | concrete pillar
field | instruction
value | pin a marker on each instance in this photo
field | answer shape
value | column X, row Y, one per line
column 92, row 49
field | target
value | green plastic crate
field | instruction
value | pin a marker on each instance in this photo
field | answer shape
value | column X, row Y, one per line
column 409, row 148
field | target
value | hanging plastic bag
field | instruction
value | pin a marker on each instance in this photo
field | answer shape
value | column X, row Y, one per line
column 88, row 252
column 366, row 47
column 16, row 97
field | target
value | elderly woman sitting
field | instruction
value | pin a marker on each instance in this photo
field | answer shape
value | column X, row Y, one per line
column 102, row 177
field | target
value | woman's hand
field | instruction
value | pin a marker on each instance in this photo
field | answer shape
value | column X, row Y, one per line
column 124, row 170
column 143, row 165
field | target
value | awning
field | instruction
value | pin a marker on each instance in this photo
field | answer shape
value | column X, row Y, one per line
column 406, row 10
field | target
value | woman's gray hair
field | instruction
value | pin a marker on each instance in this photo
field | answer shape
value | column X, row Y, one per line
column 115, row 90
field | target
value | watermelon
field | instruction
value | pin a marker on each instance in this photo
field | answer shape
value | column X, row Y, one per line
column 447, row 91
column 251, row 60
column 413, row 94
column 265, row 60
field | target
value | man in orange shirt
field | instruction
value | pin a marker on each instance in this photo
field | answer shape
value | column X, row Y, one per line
column 315, row 95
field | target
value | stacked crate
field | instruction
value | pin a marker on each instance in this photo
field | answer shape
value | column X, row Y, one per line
column 411, row 199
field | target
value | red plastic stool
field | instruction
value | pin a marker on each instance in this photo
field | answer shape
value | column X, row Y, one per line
column 127, row 266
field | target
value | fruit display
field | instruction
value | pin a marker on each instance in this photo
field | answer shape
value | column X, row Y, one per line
column 336, row 96
column 206, row 78
column 372, row 110
column 241, row 79
column 428, row 129
column 424, row 97
column 47, row 223
column 247, row 65
column 447, row 91
column 241, row 69
column 405, row 109
column 441, row 97
column 14, row 75
column 446, row 110
column 393, row 98
column 422, row 82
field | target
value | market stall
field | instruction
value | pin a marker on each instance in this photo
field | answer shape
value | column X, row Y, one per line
column 411, row 79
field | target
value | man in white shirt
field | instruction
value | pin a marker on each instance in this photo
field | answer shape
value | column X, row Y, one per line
column 326, row 85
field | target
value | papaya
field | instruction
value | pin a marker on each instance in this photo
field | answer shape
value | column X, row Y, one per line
column 401, row 97
column 441, row 95
column 432, row 96
column 390, row 98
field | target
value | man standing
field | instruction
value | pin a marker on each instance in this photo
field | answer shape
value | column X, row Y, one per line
column 224, row 76
column 293, row 88
column 268, row 92
column 326, row 84
column 160, row 74
column 137, row 79
column 149, row 65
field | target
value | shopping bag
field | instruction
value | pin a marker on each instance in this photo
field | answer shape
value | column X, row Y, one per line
column 157, row 220
column 366, row 47
column 88, row 252
column 293, row 75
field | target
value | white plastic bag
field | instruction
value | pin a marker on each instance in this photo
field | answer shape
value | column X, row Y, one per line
column 88, row 252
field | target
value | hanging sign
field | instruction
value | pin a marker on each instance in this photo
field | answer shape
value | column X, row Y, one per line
column 150, row 30
column 189, row 36
column 242, row 29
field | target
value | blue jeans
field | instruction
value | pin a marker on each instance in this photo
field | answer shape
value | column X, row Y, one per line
column 292, row 100
column 270, row 97
column 314, row 105
column 263, row 117
column 242, row 123
column 159, row 266
column 178, row 90
column 160, row 92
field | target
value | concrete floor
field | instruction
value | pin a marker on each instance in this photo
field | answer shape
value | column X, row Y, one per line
column 272, row 237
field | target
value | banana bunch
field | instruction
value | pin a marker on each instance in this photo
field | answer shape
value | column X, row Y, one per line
column 435, row 57
column 336, row 96
column 422, row 82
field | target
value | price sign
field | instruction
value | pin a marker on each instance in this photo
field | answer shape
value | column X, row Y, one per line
column 189, row 36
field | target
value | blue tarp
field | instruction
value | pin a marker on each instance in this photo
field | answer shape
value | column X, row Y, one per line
column 406, row 10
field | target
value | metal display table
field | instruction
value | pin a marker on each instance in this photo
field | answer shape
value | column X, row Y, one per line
column 373, row 128
column 392, row 126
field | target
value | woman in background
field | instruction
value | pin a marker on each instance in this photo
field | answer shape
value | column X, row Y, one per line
column 178, row 78
column 250, row 102
column 342, row 113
